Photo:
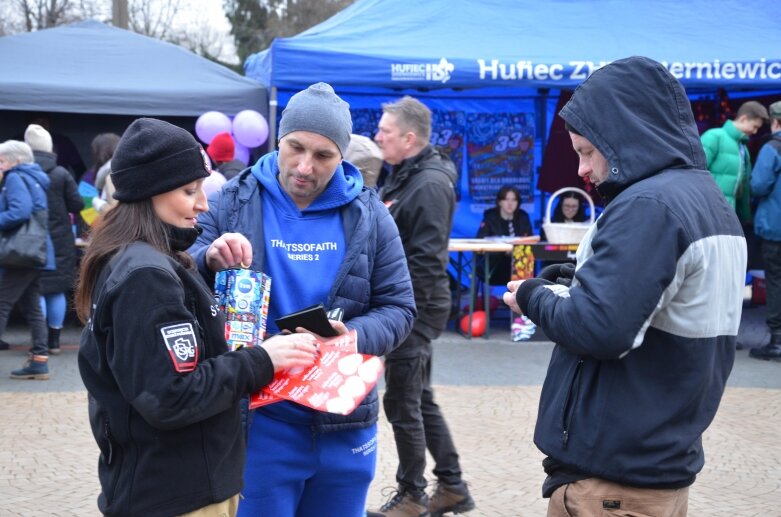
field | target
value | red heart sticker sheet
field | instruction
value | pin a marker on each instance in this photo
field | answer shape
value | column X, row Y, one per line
column 337, row 383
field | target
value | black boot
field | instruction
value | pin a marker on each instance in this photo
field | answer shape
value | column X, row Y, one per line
column 770, row 351
column 54, row 341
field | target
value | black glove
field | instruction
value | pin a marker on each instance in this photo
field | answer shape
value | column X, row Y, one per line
column 558, row 273
column 524, row 293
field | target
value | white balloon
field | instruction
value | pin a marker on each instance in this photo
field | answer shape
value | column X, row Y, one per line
column 250, row 128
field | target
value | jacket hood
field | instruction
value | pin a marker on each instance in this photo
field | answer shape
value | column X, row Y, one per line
column 34, row 171
column 47, row 161
column 345, row 185
column 639, row 117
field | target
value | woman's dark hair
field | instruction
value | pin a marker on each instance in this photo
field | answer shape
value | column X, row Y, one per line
column 103, row 147
column 558, row 212
column 122, row 225
column 505, row 190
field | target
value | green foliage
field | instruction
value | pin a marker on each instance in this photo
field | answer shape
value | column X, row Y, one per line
column 249, row 20
column 255, row 23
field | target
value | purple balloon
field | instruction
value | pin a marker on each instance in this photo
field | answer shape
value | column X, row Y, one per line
column 242, row 153
column 210, row 123
column 250, row 128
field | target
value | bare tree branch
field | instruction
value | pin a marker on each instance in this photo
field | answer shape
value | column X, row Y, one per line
column 42, row 14
column 152, row 17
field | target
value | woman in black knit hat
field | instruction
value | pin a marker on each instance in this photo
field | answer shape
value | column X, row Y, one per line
column 163, row 389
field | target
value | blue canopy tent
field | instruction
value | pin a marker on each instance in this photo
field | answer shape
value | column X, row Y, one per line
column 89, row 78
column 498, row 56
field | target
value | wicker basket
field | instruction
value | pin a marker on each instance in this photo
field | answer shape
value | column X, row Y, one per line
column 566, row 233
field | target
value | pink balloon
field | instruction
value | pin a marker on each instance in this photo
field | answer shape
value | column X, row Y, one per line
column 210, row 123
column 250, row 128
column 241, row 153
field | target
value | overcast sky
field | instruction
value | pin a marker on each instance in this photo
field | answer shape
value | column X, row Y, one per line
column 206, row 16
column 199, row 14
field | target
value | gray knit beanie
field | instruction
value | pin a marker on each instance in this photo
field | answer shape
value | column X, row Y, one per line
column 318, row 110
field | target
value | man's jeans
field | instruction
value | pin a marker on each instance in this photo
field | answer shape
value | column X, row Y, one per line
column 417, row 421
column 771, row 255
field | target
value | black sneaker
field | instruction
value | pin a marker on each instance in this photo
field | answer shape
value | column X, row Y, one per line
column 766, row 352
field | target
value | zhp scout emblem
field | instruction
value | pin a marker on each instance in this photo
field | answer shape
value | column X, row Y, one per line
column 182, row 346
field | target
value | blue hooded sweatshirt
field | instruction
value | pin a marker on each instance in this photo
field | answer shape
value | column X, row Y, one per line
column 305, row 243
column 302, row 244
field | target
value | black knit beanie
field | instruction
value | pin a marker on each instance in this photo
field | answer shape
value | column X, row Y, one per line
column 154, row 157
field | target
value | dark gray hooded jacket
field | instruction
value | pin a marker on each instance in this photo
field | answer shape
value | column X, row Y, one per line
column 646, row 333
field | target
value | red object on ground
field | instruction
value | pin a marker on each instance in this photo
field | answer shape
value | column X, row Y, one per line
column 478, row 323
column 758, row 294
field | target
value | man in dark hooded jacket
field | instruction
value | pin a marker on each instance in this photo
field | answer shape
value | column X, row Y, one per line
column 645, row 331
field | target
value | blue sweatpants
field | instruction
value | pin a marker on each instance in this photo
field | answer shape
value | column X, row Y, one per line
column 292, row 471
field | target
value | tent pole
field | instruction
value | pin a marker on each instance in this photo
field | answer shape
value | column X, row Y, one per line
column 542, row 124
column 272, row 123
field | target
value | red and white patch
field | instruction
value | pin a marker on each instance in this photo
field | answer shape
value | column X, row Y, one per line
column 182, row 346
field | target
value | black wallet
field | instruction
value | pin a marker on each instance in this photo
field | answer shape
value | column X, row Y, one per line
column 313, row 318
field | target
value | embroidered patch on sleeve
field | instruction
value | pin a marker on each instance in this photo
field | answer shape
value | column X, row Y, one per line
column 180, row 341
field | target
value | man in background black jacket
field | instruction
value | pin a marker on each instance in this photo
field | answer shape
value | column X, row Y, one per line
column 420, row 196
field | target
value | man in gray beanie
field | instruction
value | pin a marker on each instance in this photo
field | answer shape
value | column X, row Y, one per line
column 318, row 110
column 302, row 216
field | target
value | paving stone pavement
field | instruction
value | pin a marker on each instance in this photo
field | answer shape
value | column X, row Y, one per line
column 488, row 390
